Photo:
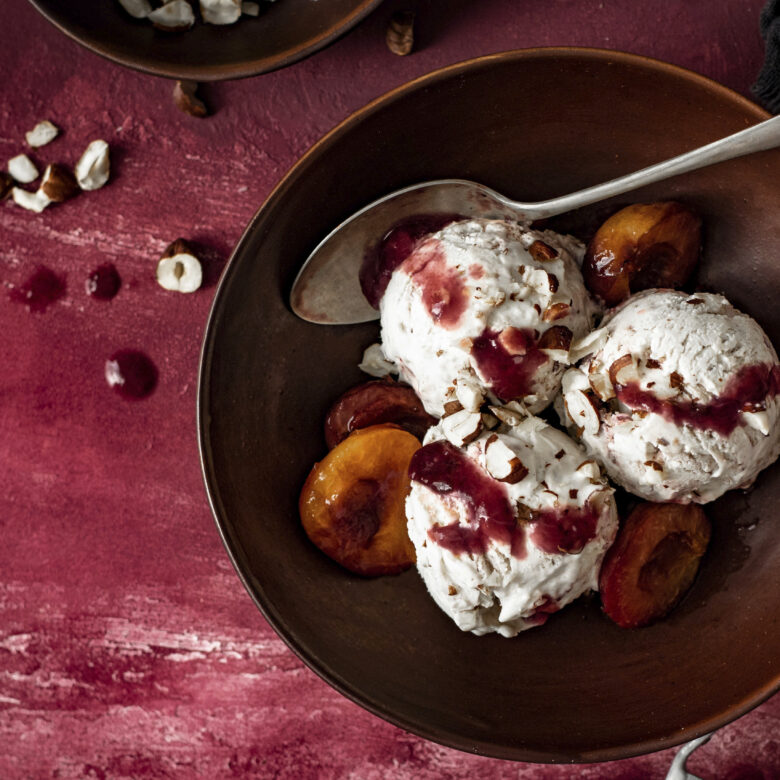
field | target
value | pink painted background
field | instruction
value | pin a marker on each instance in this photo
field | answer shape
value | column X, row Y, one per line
column 128, row 647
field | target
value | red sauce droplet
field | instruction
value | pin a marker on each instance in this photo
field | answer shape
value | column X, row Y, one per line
column 444, row 295
column 508, row 361
column 398, row 243
column 446, row 470
column 40, row 290
column 131, row 373
column 564, row 530
column 476, row 271
column 104, row 282
column 747, row 390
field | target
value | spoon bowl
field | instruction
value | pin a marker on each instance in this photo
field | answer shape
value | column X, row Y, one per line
column 327, row 290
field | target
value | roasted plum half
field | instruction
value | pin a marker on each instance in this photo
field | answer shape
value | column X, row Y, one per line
column 352, row 503
column 371, row 403
column 641, row 247
column 653, row 562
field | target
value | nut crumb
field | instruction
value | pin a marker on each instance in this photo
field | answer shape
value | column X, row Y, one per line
column 58, row 183
column 400, row 33
column 43, row 133
column 185, row 96
column 6, row 184
column 542, row 252
column 22, row 169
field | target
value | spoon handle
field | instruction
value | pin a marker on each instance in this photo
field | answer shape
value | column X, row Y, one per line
column 765, row 135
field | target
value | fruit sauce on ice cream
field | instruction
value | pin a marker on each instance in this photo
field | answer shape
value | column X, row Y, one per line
column 564, row 529
column 746, row 391
column 446, row 470
column 398, row 243
column 443, row 293
column 508, row 361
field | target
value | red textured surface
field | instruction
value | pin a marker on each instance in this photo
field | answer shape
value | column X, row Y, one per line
column 128, row 647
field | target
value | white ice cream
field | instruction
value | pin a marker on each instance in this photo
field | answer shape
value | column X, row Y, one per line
column 487, row 265
column 508, row 590
column 685, row 350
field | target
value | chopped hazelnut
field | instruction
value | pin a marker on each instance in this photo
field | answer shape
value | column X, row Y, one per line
column 32, row 201
column 462, row 427
column 138, row 9
column 22, row 169
column 220, row 11
column 58, row 183
column 186, row 99
column 6, row 184
column 542, row 252
column 43, row 133
column 174, row 16
column 92, row 169
column 400, row 33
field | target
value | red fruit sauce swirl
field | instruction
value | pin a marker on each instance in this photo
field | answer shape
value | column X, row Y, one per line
column 564, row 529
column 398, row 243
column 508, row 375
column 747, row 390
column 446, row 470
column 444, row 295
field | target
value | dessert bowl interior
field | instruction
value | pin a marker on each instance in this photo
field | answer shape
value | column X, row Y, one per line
column 532, row 124
column 284, row 33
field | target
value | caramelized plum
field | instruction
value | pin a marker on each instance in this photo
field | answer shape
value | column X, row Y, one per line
column 352, row 503
column 640, row 247
column 379, row 401
column 653, row 562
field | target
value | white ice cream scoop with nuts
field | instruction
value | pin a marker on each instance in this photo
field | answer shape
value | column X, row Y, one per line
column 485, row 309
column 676, row 395
column 509, row 528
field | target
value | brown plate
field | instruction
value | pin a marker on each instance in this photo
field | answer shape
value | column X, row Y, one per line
column 285, row 32
column 532, row 124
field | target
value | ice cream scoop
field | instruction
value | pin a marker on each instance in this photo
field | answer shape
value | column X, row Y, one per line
column 485, row 309
column 676, row 396
column 511, row 527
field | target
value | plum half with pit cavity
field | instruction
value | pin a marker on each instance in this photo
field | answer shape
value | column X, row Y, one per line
column 642, row 246
column 352, row 503
column 371, row 403
column 653, row 562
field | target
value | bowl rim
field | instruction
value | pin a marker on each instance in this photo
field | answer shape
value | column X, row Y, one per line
column 277, row 622
column 206, row 73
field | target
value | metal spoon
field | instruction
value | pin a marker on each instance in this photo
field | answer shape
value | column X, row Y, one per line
column 327, row 290
column 678, row 770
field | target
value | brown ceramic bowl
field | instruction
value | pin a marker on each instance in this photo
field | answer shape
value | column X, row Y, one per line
column 285, row 32
column 532, row 124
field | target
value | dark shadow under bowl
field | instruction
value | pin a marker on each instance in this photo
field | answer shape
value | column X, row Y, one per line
column 532, row 124
column 285, row 32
